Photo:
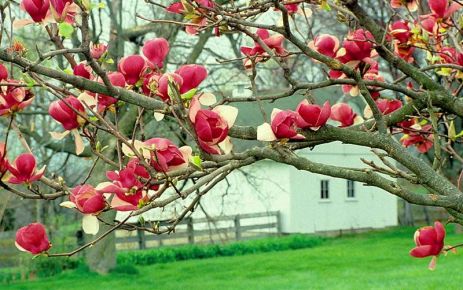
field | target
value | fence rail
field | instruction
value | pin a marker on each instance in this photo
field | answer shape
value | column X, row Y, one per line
column 204, row 230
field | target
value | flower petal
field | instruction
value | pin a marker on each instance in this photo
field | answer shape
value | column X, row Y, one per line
column 90, row 224
column 229, row 114
column 265, row 133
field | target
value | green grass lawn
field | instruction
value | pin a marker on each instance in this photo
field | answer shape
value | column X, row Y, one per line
column 377, row 260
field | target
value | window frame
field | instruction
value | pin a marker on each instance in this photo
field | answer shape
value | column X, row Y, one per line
column 325, row 189
column 350, row 189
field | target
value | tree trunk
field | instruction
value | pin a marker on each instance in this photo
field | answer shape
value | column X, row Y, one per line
column 101, row 257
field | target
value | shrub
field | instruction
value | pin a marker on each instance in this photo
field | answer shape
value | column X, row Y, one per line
column 46, row 267
column 188, row 252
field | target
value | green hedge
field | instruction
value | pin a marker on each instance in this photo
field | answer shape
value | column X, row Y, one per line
column 188, row 252
column 127, row 260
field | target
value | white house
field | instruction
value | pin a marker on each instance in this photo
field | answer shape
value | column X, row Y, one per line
column 307, row 202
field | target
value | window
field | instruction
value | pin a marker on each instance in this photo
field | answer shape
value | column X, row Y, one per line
column 350, row 189
column 325, row 189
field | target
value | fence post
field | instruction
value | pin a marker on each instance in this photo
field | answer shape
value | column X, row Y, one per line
column 141, row 239
column 278, row 216
column 237, row 227
column 190, row 230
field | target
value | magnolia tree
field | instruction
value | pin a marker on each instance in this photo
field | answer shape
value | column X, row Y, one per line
column 405, row 65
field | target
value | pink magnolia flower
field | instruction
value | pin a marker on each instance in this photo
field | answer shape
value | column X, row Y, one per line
column 344, row 114
column 127, row 187
column 400, row 30
column 23, row 170
column 401, row 34
column 411, row 5
column 13, row 98
column 385, row 106
column 98, row 49
column 32, row 238
column 358, row 46
column 312, row 116
column 132, row 67
column 408, row 125
column 118, row 80
column 211, row 129
column 185, row 78
column 423, row 140
column 63, row 10
column 63, row 111
column 83, row 70
column 37, row 9
column 429, row 242
column 156, row 50
column 274, row 43
column 292, row 8
column 211, row 126
column 166, row 156
column 325, row 44
column 3, row 160
column 193, row 75
column 151, row 83
column 443, row 9
column 87, row 199
column 3, row 73
column 284, row 124
column 196, row 15
column 163, row 85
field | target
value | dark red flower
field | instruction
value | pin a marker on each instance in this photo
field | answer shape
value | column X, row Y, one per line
column 193, row 75
column 3, row 159
column 32, row 238
column 429, row 242
column 165, row 155
column 97, row 50
column 3, row 73
column 83, row 70
column 118, row 80
column 14, row 98
column 62, row 111
column 156, row 50
column 87, row 199
column 37, row 9
column 284, row 124
column 312, row 116
column 344, row 114
column 132, row 67
column 23, row 169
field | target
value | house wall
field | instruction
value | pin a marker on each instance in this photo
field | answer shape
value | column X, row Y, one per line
column 371, row 208
column 270, row 186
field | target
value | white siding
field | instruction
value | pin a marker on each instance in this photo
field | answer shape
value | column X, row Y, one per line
column 269, row 186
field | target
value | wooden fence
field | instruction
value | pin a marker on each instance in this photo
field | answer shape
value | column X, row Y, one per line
column 205, row 230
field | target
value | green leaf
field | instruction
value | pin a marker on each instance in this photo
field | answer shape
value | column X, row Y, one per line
column 66, row 30
column 28, row 80
column 325, row 6
column 196, row 161
column 189, row 95
column 459, row 135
